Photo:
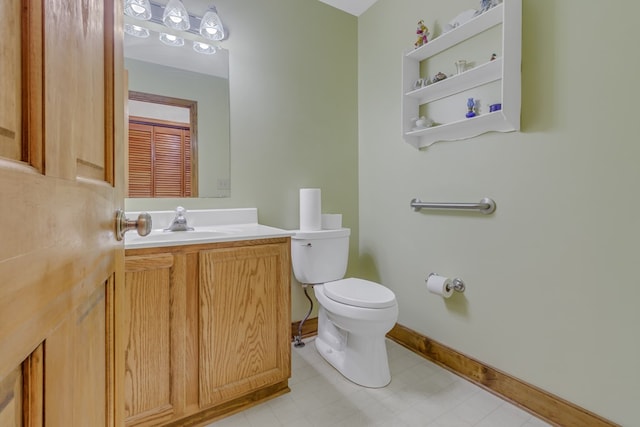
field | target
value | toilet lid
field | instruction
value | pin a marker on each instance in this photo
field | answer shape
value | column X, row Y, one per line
column 359, row 293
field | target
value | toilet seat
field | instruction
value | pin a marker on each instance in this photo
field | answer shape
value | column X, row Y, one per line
column 359, row 293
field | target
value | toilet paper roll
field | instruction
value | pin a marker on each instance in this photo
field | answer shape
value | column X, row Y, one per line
column 310, row 208
column 331, row 221
column 440, row 285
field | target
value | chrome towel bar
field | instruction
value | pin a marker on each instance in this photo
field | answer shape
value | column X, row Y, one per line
column 485, row 206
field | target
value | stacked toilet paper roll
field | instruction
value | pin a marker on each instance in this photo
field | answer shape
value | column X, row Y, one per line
column 439, row 285
column 310, row 209
column 331, row 221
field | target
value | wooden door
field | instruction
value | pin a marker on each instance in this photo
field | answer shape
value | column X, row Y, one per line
column 61, row 129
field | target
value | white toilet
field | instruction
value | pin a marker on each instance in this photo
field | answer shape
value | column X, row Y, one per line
column 354, row 314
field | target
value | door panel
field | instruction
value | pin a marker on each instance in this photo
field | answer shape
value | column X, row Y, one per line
column 60, row 264
column 11, row 399
column 76, row 366
column 10, row 84
column 74, row 34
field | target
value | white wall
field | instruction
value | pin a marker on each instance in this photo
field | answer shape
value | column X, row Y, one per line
column 552, row 280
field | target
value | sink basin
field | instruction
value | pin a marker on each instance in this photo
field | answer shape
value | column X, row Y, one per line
column 178, row 236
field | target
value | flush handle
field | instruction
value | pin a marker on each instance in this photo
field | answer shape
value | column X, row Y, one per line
column 142, row 225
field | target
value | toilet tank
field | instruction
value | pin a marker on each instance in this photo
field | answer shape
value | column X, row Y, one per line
column 320, row 256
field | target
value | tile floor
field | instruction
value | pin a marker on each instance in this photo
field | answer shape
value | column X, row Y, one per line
column 421, row 394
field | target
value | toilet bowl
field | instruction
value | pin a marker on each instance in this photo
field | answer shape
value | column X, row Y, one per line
column 352, row 338
column 354, row 314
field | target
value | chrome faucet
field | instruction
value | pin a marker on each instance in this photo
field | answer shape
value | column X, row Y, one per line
column 179, row 223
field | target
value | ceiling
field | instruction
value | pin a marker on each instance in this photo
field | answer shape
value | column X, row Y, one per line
column 354, row 7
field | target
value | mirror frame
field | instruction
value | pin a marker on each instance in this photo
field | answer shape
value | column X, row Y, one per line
column 193, row 132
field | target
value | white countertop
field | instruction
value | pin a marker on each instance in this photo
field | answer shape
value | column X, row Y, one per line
column 210, row 226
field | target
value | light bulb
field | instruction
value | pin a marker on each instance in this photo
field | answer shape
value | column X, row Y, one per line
column 136, row 31
column 171, row 40
column 204, row 48
column 211, row 25
column 139, row 9
column 175, row 16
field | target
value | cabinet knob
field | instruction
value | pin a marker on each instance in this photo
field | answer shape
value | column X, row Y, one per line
column 142, row 225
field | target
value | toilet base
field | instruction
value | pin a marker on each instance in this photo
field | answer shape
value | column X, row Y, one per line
column 362, row 360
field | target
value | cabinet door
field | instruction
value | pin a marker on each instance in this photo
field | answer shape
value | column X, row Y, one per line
column 244, row 320
column 151, row 283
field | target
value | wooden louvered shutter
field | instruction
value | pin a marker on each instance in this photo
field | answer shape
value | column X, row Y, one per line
column 140, row 160
column 188, row 170
column 168, row 174
column 159, row 160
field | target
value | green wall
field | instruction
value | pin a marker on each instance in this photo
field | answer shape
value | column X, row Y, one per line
column 552, row 282
column 293, row 103
column 552, row 288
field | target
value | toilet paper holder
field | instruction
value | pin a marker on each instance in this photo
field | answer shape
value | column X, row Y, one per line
column 457, row 284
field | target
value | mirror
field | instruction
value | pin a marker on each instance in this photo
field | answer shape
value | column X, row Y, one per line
column 181, row 73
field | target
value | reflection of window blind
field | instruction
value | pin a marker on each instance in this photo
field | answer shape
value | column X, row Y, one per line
column 159, row 160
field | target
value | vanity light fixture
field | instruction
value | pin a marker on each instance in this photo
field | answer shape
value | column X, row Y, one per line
column 175, row 16
column 139, row 9
column 211, row 25
column 171, row 40
column 174, row 24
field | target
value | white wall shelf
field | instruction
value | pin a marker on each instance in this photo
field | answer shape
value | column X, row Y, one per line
column 482, row 74
column 505, row 69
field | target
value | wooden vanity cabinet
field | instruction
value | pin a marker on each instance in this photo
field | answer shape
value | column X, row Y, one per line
column 206, row 330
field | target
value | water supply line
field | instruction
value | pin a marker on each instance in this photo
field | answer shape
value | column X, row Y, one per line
column 298, row 339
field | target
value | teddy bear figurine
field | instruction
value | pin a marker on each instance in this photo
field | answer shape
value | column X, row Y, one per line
column 422, row 33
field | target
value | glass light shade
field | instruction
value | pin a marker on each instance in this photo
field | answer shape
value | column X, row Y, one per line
column 175, row 16
column 204, row 48
column 136, row 31
column 171, row 40
column 139, row 9
column 211, row 25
